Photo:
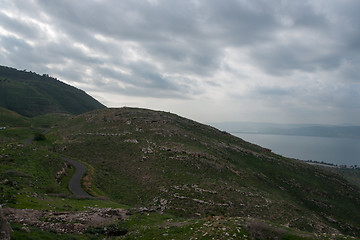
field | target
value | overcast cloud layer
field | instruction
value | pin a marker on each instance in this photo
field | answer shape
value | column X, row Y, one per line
column 236, row 60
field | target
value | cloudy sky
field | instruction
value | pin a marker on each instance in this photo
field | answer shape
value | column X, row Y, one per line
column 283, row 61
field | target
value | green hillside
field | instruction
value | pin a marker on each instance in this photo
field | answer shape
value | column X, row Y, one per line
column 168, row 177
column 9, row 118
column 186, row 169
column 14, row 127
column 31, row 94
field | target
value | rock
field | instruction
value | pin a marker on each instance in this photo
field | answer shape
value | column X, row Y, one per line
column 5, row 228
column 26, row 229
column 65, row 222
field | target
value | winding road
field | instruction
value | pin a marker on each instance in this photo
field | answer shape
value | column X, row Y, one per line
column 75, row 180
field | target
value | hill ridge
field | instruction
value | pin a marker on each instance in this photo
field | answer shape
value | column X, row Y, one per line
column 31, row 94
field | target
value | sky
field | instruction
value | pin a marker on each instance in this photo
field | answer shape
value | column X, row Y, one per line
column 278, row 61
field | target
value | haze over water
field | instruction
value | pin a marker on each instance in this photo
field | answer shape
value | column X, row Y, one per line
column 340, row 151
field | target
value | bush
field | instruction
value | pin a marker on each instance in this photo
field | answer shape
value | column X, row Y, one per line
column 110, row 230
column 49, row 189
column 39, row 137
column 116, row 230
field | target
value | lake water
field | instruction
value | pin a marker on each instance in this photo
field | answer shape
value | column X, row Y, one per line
column 340, row 151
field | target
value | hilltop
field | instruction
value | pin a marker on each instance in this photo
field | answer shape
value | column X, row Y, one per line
column 31, row 94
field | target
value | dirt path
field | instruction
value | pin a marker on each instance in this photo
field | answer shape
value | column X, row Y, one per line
column 75, row 181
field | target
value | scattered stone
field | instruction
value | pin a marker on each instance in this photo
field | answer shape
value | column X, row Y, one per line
column 64, row 222
column 5, row 228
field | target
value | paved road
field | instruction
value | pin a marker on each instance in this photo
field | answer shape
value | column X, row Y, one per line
column 75, row 181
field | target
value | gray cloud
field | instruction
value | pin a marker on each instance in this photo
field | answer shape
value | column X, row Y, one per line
column 19, row 27
column 273, row 91
column 279, row 52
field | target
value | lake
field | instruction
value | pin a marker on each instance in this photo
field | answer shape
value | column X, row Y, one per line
column 340, row 151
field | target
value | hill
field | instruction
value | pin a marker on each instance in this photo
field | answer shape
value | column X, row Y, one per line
column 31, row 94
column 162, row 177
column 15, row 127
column 13, row 119
column 187, row 169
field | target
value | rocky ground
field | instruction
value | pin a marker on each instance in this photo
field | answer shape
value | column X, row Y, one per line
column 65, row 222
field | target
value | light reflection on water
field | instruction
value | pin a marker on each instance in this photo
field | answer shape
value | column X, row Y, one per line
column 340, row 151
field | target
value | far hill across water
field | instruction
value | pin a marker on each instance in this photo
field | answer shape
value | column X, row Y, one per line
column 31, row 94
column 311, row 130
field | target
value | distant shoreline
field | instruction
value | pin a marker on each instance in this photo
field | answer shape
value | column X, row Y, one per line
column 318, row 150
column 295, row 134
column 324, row 164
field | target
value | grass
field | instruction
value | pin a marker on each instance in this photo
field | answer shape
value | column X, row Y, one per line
column 12, row 134
column 188, row 172
column 31, row 94
column 12, row 119
column 164, row 226
column 351, row 174
column 49, row 120
column 155, row 226
column 27, row 177
column 32, row 233
column 246, row 179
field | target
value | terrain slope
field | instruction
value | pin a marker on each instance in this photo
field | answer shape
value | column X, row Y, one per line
column 31, row 94
column 174, row 165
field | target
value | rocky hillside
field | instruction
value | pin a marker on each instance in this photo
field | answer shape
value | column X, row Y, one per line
column 31, row 94
column 177, row 166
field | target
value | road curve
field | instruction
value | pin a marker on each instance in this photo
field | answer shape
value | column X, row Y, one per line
column 75, row 180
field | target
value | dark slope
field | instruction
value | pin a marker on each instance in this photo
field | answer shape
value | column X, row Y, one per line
column 30, row 94
column 161, row 160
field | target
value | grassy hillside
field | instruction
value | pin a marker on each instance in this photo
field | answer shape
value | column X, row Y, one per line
column 28, row 185
column 186, row 169
column 351, row 174
column 11, row 119
column 15, row 127
column 170, row 177
column 30, row 94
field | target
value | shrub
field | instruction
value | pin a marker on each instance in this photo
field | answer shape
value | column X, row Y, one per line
column 39, row 136
column 110, row 230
